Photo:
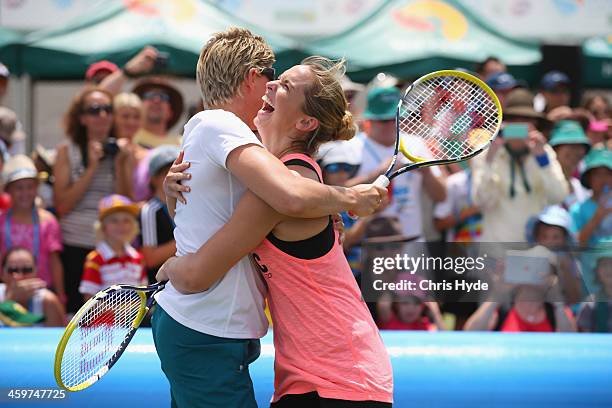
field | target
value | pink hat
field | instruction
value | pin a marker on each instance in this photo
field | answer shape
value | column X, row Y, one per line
column 598, row 126
column 96, row 67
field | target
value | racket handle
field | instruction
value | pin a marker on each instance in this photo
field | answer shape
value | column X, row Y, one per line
column 382, row 181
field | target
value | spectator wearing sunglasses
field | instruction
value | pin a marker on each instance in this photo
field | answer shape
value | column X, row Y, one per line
column 27, row 226
column 339, row 162
column 22, row 286
column 88, row 167
column 162, row 107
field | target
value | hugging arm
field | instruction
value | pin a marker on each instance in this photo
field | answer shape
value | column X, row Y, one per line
column 299, row 197
column 197, row 272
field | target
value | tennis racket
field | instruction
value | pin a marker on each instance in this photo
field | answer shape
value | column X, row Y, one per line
column 99, row 333
column 452, row 114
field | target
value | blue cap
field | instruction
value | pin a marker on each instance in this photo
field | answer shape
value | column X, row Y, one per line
column 553, row 79
column 161, row 157
column 501, row 81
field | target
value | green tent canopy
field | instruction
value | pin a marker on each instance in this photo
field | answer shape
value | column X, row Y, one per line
column 10, row 42
column 411, row 37
column 117, row 32
column 597, row 62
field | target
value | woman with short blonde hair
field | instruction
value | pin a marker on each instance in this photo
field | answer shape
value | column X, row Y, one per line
column 327, row 347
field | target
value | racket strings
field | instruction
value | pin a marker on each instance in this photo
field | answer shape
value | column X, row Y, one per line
column 454, row 117
column 98, row 335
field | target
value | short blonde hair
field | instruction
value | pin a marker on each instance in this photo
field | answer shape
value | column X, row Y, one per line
column 127, row 99
column 324, row 100
column 225, row 61
column 99, row 231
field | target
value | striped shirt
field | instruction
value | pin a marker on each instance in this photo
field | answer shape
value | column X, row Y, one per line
column 104, row 268
column 77, row 225
column 157, row 228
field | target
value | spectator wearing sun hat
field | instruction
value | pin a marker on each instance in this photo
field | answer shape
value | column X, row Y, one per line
column 376, row 147
column 571, row 146
column 519, row 174
column 114, row 260
column 156, row 225
column 27, row 226
column 592, row 218
column 162, row 108
column 552, row 229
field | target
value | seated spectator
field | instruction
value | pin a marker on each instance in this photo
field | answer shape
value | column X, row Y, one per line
column 127, row 112
column 156, row 224
column 555, row 90
column 87, row 168
column 552, row 230
column 592, row 218
column 524, row 308
column 596, row 316
column 114, row 260
column 412, row 311
column 99, row 70
column 457, row 215
column 519, row 174
column 27, row 226
column 22, row 286
column 571, row 146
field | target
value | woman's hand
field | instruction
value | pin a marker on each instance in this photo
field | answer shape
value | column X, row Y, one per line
column 172, row 183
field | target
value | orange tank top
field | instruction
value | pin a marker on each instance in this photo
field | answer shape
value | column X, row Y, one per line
column 325, row 339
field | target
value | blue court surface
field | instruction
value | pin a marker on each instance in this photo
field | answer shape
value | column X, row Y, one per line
column 452, row 369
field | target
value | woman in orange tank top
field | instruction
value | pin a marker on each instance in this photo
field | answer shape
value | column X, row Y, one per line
column 329, row 352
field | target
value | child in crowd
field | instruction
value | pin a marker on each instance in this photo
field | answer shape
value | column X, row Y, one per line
column 592, row 218
column 26, row 225
column 114, row 260
column 552, row 230
column 410, row 310
column 339, row 162
column 156, row 224
column 26, row 291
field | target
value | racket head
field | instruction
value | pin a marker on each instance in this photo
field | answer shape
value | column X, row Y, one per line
column 455, row 114
column 97, row 335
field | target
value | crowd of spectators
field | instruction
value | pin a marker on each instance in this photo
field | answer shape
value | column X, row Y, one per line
column 93, row 213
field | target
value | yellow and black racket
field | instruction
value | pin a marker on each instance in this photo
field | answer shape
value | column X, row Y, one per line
column 99, row 333
column 453, row 114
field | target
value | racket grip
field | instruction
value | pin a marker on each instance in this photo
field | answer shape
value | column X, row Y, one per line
column 382, row 181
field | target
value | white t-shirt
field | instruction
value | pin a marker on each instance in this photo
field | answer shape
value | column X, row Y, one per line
column 406, row 188
column 234, row 306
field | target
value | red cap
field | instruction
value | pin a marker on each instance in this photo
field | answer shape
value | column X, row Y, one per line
column 100, row 66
